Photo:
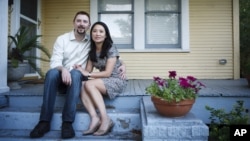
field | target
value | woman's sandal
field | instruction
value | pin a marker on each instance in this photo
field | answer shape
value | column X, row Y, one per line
column 104, row 132
column 92, row 130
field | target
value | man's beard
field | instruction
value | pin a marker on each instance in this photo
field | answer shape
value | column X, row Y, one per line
column 81, row 32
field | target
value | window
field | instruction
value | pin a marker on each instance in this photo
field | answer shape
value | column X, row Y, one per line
column 145, row 25
column 162, row 23
column 27, row 13
column 118, row 15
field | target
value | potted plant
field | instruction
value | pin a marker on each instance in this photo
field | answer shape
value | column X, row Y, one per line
column 19, row 44
column 174, row 97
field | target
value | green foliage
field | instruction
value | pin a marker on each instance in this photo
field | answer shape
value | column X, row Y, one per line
column 221, row 120
column 22, row 42
column 245, row 36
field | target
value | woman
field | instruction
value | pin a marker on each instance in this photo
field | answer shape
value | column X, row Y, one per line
column 104, row 56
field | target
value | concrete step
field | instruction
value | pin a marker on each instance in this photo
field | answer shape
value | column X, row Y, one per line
column 55, row 135
column 16, row 124
column 31, row 96
column 23, row 111
column 120, row 102
column 157, row 127
column 26, row 118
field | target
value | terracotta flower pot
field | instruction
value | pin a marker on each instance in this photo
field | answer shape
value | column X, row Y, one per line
column 172, row 109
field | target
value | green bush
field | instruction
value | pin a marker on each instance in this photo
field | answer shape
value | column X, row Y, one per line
column 221, row 121
column 245, row 37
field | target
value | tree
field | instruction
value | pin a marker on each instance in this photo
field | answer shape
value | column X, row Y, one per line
column 245, row 36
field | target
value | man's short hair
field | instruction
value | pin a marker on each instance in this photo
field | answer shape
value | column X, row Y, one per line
column 82, row 13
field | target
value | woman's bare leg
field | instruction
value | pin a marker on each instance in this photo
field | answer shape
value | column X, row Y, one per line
column 95, row 88
column 90, row 107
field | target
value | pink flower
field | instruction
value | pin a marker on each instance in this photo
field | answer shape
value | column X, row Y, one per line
column 172, row 74
column 156, row 78
column 191, row 78
column 184, row 82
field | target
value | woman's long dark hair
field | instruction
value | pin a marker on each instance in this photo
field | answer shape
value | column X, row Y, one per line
column 107, row 44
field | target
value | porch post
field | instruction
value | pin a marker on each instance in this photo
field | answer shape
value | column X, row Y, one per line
column 236, row 39
column 3, row 46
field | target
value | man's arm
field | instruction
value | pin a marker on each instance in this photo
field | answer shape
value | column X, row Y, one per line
column 56, row 62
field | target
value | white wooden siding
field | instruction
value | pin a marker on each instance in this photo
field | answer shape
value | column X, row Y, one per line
column 211, row 39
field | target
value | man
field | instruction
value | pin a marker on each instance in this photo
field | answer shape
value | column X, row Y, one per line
column 70, row 49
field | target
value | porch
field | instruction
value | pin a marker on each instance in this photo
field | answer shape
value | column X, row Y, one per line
column 132, row 111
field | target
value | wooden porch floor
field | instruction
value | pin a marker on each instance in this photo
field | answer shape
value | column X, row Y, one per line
column 136, row 87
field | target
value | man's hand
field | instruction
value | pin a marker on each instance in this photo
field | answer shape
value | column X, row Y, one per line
column 66, row 77
column 122, row 70
column 79, row 67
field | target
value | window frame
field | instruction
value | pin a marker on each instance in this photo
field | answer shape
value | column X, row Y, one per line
column 139, row 27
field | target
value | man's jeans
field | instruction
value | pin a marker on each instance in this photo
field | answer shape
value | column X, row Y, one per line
column 53, row 81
